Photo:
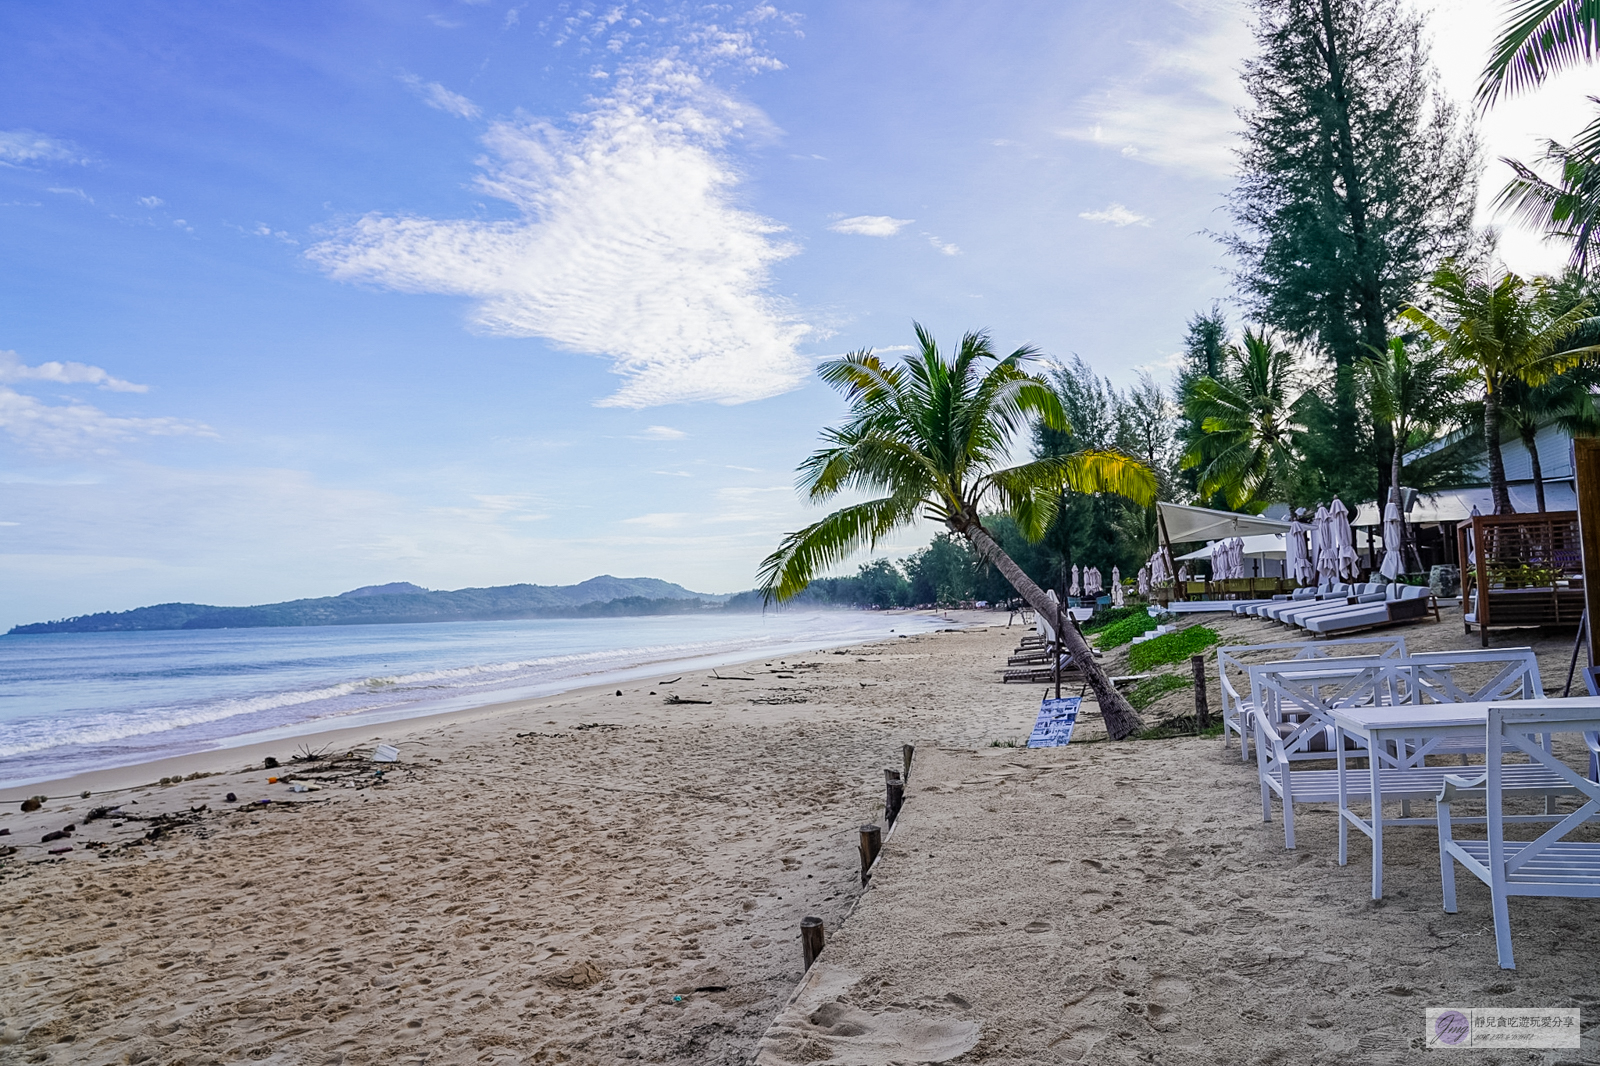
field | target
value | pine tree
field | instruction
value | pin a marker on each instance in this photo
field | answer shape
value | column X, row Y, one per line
column 1357, row 179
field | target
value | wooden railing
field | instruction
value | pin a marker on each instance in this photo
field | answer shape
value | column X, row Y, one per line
column 1520, row 570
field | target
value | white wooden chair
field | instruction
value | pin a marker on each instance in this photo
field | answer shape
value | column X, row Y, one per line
column 1232, row 673
column 1547, row 866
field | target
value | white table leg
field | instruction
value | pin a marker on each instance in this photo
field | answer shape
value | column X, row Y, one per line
column 1374, row 746
column 1344, row 800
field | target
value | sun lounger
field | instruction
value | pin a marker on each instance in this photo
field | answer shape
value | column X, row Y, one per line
column 1360, row 594
column 1411, row 603
column 1332, row 593
column 1548, row 866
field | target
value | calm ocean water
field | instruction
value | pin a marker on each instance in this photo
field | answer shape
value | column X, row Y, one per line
column 71, row 702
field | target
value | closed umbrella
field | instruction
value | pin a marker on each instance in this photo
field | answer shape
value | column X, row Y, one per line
column 1325, row 556
column 1298, row 561
column 1073, row 591
column 1116, row 587
column 1092, row 582
column 1393, row 533
column 1348, row 562
column 1158, row 569
column 1144, row 581
column 1219, row 560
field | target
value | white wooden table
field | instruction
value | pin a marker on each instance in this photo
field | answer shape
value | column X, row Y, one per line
column 1406, row 776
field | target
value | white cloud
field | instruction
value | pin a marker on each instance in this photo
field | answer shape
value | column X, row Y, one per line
column 629, row 246
column 1117, row 215
column 77, row 428
column 151, row 201
column 1178, row 108
column 871, row 225
column 61, row 190
column 659, row 520
column 661, row 433
column 22, row 147
column 12, row 368
column 943, row 246
column 264, row 230
column 439, row 98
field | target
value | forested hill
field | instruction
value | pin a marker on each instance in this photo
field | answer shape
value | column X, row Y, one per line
column 404, row 602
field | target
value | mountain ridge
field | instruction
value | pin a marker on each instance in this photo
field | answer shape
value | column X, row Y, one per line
column 604, row 595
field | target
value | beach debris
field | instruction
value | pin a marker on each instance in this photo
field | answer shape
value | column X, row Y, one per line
column 386, row 753
column 577, row 976
column 5, row 832
column 674, row 681
column 308, row 788
column 730, row 677
column 33, row 803
column 98, row 813
column 619, row 692
column 230, row 798
column 269, row 763
column 85, row 794
column 675, row 699
column 61, row 851
column 306, row 754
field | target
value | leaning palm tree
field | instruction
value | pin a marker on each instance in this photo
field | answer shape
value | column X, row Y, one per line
column 1251, row 418
column 1501, row 330
column 930, row 438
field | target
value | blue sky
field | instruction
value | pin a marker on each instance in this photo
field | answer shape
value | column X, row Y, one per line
column 304, row 296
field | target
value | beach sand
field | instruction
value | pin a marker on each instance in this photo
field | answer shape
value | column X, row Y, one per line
column 598, row 879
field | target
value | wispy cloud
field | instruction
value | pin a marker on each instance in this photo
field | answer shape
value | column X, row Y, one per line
column 61, row 190
column 151, row 201
column 661, row 433
column 74, row 428
column 28, row 147
column 944, row 246
column 12, row 368
column 871, row 225
column 439, row 98
column 629, row 245
column 1177, row 109
column 659, row 520
column 264, row 230
column 1116, row 215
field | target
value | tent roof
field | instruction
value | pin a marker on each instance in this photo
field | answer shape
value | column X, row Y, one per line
column 1455, row 505
column 1262, row 545
column 1201, row 523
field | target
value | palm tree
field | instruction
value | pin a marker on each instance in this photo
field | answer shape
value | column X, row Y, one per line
column 928, row 438
column 1567, row 206
column 1541, row 38
column 1251, row 418
column 1564, row 401
column 1417, row 395
column 1500, row 330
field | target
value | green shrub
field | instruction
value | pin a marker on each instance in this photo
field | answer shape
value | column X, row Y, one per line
column 1151, row 689
column 1110, row 616
column 1119, row 633
column 1171, row 647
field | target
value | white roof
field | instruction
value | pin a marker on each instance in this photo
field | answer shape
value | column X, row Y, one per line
column 1455, row 505
column 1260, row 546
column 1201, row 523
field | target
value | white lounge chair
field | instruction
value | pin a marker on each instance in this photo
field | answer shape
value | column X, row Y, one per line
column 1407, row 603
column 1547, row 866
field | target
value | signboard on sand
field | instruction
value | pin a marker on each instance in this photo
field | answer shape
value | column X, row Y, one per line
column 1054, row 726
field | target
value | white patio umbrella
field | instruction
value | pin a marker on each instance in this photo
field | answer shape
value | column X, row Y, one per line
column 1116, row 587
column 1158, row 568
column 1325, row 555
column 1393, row 533
column 1219, row 560
column 1144, row 580
column 1297, row 562
column 1073, row 590
column 1347, row 561
column 1092, row 582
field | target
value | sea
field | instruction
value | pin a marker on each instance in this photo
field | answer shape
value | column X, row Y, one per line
column 73, row 702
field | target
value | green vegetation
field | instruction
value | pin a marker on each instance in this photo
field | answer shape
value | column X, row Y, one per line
column 1110, row 616
column 1172, row 647
column 1151, row 689
column 1119, row 633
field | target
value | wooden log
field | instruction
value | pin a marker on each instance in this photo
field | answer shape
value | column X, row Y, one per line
column 1202, row 712
column 871, row 844
column 894, row 797
column 906, row 752
column 811, row 939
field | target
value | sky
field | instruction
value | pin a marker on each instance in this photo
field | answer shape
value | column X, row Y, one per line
column 299, row 297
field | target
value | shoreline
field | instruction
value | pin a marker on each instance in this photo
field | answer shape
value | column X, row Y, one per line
column 351, row 728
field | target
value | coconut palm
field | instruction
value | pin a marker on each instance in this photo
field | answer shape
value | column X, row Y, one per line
column 929, row 437
column 1567, row 206
column 1251, row 418
column 1417, row 394
column 1540, row 38
column 1501, row 330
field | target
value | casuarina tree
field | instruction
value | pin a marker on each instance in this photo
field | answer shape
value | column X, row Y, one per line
column 930, row 437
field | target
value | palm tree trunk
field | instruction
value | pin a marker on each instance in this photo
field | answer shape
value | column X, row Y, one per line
column 1497, row 464
column 1121, row 719
column 1529, row 435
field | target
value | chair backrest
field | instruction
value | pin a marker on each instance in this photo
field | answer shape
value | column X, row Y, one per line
column 1309, row 690
column 1523, row 729
column 1591, row 678
column 1232, row 673
column 1437, row 676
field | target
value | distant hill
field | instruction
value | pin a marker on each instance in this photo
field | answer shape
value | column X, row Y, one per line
column 402, row 601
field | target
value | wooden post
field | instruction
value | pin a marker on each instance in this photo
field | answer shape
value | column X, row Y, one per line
column 1202, row 713
column 811, row 939
column 871, row 844
column 1586, row 478
column 906, row 752
column 1179, row 591
column 894, row 796
column 1061, row 645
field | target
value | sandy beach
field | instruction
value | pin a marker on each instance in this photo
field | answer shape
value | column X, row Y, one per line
column 596, row 878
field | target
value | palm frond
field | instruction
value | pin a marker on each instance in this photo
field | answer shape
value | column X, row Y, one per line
column 1539, row 38
column 803, row 554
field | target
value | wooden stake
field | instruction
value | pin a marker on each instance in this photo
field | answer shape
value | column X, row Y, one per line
column 894, row 796
column 871, row 844
column 906, row 752
column 811, row 939
column 1202, row 712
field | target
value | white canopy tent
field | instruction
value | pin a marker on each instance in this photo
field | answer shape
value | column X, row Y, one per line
column 1259, row 546
column 1180, row 523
